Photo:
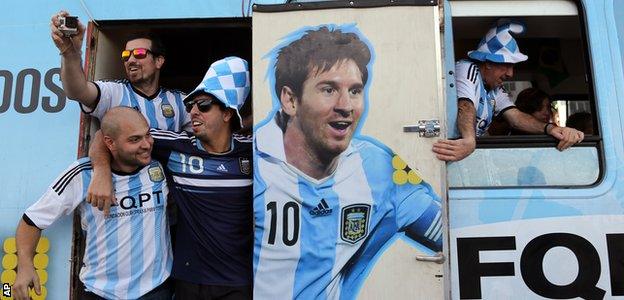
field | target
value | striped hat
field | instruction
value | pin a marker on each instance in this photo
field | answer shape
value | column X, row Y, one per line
column 498, row 45
column 227, row 80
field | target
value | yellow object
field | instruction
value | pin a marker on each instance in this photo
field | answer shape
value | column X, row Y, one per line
column 9, row 261
column 398, row 163
column 9, row 246
column 40, row 261
column 43, row 276
column 413, row 177
column 34, row 296
column 43, row 246
column 399, row 177
column 8, row 276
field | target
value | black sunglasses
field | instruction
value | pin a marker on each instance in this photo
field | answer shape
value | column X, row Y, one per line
column 202, row 105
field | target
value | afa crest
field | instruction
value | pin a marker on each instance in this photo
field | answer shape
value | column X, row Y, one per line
column 354, row 221
column 156, row 174
column 245, row 165
column 167, row 110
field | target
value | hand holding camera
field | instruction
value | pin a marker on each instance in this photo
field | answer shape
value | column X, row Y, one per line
column 68, row 25
column 67, row 33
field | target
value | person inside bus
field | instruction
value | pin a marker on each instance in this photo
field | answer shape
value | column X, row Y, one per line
column 143, row 57
column 581, row 121
column 481, row 96
column 532, row 101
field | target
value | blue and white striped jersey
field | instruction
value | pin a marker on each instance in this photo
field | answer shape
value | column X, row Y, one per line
column 317, row 238
column 128, row 253
column 164, row 110
column 488, row 103
column 213, row 192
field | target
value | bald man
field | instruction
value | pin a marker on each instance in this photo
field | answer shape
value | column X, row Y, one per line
column 118, row 269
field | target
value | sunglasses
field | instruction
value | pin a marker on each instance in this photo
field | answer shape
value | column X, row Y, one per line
column 202, row 105
column 139, row 53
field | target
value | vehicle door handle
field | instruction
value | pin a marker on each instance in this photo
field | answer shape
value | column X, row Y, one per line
column 425, row 128
column 438, row 258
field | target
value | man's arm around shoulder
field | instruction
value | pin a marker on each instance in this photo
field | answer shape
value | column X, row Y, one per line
column 100, row 192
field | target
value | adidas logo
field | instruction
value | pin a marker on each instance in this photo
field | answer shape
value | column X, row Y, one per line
column 322, row 209
column 222, row 168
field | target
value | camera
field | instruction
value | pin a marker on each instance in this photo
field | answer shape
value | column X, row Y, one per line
column 68, row 26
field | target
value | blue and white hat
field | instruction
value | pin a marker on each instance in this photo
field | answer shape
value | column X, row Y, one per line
column 498, row 45
column 228, row 81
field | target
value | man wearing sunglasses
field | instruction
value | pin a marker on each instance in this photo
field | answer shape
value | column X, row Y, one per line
column 143, row 57
column 211, row 177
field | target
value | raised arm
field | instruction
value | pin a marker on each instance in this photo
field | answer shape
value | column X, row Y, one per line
column 100, row 193
column 26, row 239
column 454, row 150
column 73, row 78
column 525, row 122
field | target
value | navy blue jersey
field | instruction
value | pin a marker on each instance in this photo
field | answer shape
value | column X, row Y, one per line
column 214, row 194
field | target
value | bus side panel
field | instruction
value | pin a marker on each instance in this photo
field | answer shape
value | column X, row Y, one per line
column 521, row 243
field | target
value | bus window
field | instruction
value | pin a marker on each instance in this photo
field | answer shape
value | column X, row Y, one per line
column 558, row 64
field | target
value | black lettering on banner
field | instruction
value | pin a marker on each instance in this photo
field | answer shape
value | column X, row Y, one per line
column 157, row 194
column 471, row 270
column 290, row 211
column 34, row 92
column 584, row 286
column 132, row 202
column 6, row 94
column 615, row 246
column 54, row 88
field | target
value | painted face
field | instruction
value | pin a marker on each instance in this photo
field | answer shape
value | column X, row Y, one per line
column 544, row 113
column 139, row 70
column 330, row 108
column 494, row 74
column 210, row 123
column 133, row 145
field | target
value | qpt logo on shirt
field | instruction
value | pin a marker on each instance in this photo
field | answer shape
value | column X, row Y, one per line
column 156, row 174
column 167, row 110
column 354, row 222
column 245, row 165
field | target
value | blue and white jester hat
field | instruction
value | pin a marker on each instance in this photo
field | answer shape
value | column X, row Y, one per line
column 228, row 81
column 498, row 45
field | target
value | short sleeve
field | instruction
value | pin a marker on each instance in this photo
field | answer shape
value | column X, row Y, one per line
column 164, row 142
column 109, row 91
column 466, row 80
column 185, row 118
column 62, row 197
column 502, row 100
column 417, row 206
column 186, row 122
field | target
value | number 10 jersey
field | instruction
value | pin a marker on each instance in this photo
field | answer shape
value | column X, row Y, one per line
column 317, row 238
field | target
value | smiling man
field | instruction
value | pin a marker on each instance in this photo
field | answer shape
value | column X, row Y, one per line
column 481, row 95
column 211, row 182
column 143, row 57
column 127, row 254
column 326, row 200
